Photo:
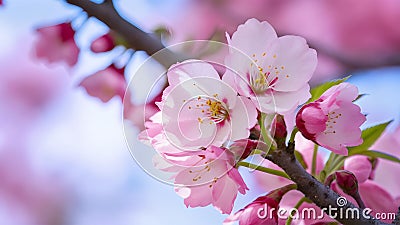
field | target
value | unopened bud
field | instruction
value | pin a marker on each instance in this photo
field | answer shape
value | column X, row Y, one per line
column 347, row 181
column 242, row 148
column 280, row 129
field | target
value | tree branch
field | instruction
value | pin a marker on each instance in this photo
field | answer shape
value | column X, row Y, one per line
column 135, row 37
column 321, row 195
column 396, row 221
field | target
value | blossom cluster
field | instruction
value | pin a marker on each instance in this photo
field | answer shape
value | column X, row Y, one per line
column 213, row 118
column 210, row 121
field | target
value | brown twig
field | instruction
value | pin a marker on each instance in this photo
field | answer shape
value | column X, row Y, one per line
column 321, row 195
column 396, row 221
column 135, row 37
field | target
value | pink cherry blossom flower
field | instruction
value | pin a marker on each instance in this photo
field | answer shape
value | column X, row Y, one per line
column 262, row 211
column 249, row 214
column 206, row 177
column 103, row 43
column 57, row 43
column 274, row 72
column 333, row 121
column 199, row 109
column 105, row 84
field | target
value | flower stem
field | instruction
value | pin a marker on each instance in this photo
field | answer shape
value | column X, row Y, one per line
column 263, row 169
column 314, row 160
column 297, row 206
column 293, row 134
column 266, row 138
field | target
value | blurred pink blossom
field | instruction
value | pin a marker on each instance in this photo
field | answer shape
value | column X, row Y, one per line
column 30, row 197
column 103, row 43
column 26, row 90
column 337, row 27
column 56, row 43
column 106, row 83
column 386, row 172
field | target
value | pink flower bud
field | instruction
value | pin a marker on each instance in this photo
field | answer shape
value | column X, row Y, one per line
column 280, row 128
column 242, row 148
column 347, row 181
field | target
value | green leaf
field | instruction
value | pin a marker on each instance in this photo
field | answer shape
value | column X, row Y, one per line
column 369, row 136
column 317, row 91
column 300, row 158
column 382, row 155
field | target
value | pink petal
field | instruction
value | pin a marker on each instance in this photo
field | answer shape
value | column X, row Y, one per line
column 360, row 166
column 294, row 61
column 190, row 69
column 377, row 198
column 282, row 102
column 224, row 194
column 345, row 130
column 243, row 117
column 199, row 196
column 347, row 92
column 314, row 119
column 235, row 176
column 251, row 35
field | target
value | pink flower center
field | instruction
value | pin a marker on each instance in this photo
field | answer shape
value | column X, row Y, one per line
column 200, row 173
column 211, row 108
column 331, row 122
column 262, row 76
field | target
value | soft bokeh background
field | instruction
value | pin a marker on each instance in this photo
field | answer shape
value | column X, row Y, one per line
column 63, row 157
